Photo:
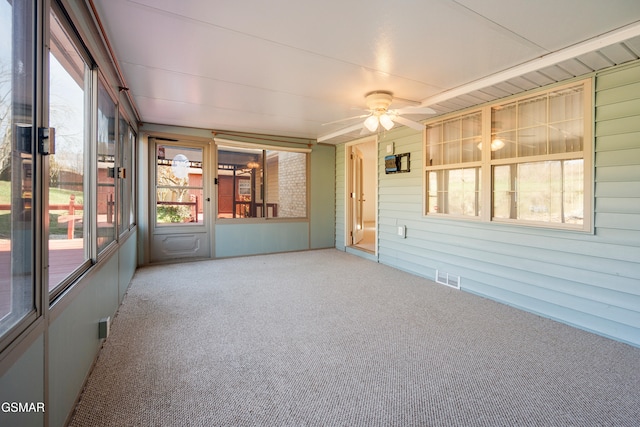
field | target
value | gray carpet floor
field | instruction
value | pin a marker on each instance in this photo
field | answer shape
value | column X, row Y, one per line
column 325, row 338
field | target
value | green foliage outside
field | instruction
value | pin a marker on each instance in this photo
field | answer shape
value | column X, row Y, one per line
column 173, row 214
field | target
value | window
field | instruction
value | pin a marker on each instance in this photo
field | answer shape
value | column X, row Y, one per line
column 539, row 169
column 106, row 203
column 454, row 165
column 125, row 173
column 131, row 176
column 69, row 112
column 261, row 183
column 536, row 160
column 17, row 296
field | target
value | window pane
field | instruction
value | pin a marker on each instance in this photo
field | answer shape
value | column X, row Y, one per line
column 547, row 124
column 433, row 195
column 532, row 141
column 286, row 184
column 573, row 191
column 131, row 176
column 16, row 125
column 123, row 175
column 532, row 112
column 451, row 142
column 451, row 130
column 68, row 111
column 472, row 138
column 551, row 191
column 451, row 152
column 179, row 185
column 503, row 192
column 503, row 118
column 256, row 183
column 106, row 168
column 566, row 104
column 540, row 191
column 503, row 131
column 240, row 189
column 455, row 141
column 454, row 191
column 566, row 137
column 434, row 145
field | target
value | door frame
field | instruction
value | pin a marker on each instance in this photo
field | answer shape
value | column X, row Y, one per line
column 202, row 232
column 349, row 188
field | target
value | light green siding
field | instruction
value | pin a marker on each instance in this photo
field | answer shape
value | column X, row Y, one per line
column 589, row 280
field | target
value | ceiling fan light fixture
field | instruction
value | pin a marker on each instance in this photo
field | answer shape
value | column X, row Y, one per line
column 371, row 123
column 496, row 145
column 386, row 121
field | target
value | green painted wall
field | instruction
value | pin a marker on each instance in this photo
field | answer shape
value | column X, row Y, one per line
column 23, row 382
column 322, row 197
column 252, row 237
column 238, row 239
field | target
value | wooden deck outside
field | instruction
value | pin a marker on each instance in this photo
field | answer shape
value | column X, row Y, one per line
column 65, row 255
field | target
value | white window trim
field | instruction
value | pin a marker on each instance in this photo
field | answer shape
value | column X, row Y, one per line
column 487, row 164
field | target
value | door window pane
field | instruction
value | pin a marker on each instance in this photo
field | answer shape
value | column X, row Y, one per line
column 17, row 298
column 69, row 80
column 106, row 168
column 179, row 185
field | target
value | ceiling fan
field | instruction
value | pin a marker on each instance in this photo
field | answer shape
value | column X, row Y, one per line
column 378, row 103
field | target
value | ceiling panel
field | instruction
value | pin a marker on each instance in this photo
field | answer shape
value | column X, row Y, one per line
column 286, row 67
column 553, row 24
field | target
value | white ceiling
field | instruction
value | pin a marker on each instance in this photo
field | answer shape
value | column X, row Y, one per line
column 285, row 67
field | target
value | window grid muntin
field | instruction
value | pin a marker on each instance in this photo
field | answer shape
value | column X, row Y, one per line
column 455, row 136
column 583, row 103
column 521, row 124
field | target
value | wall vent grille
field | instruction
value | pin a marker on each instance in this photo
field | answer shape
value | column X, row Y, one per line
column 447, row 279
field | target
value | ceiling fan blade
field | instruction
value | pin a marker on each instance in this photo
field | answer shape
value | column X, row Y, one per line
column 415, row 110
column 340, row 132
column 361, row 116
column 409, row 123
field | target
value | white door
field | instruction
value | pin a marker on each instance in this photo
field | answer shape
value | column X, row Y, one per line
column 357, row 196
column 180, row 203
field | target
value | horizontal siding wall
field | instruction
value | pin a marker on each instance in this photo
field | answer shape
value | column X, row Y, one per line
column 589, row 280
column 400, row 203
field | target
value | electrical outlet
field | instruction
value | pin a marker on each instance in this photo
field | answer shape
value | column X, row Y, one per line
column 103, row 327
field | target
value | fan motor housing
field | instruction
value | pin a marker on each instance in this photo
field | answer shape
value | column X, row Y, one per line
column 379, row 100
